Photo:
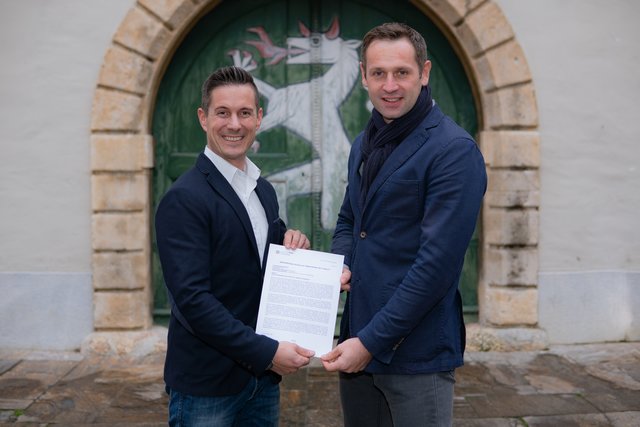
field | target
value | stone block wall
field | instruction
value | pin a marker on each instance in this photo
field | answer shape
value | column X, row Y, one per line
column 507, row 294
column 122, row 159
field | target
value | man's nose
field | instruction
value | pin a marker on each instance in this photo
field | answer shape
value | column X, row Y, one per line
column 234, row 122
column 390, row 83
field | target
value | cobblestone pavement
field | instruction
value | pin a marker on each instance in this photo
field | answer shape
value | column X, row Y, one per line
column 581, row 385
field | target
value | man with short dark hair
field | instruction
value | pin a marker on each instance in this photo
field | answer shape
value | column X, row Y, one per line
column 213, row 228
column 415, row 186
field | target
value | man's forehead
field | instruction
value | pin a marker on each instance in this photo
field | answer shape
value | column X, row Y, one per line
column 233, row 94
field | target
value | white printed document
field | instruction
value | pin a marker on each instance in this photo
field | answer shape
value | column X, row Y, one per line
column 300, row 297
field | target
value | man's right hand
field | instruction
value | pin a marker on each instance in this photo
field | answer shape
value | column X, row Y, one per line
column 290, row 357
column 345, row 279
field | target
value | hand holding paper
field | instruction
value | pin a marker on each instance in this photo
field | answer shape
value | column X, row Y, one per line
column 290, row 357
column 300, row 296
column 296, row 239
column 345, row 280
column 349, row 356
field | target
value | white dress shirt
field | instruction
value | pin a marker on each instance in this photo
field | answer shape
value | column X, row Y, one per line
column 244, row 183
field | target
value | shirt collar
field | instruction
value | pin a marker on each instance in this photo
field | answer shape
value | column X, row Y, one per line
column 228, row 170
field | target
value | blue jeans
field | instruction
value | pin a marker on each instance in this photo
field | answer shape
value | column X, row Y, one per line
column 416, row 400
column 258, row 405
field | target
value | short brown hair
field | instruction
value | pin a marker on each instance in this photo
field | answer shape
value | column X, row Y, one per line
column 227, row 76
column 395, row 31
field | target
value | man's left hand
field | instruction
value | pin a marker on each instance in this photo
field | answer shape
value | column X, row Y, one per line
column 349, row 356
column 295, row 239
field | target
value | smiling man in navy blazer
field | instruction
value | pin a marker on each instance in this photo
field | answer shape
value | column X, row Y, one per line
column 415, row 186
column 213, row 228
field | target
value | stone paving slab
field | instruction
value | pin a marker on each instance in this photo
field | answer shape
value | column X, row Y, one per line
column 587, row 385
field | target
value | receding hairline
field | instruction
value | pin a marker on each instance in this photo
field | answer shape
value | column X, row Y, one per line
column 227, row 76
column 393, row 31
column 230, row 84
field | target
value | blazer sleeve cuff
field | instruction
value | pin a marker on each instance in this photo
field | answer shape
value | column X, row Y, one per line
column 261, row 360
column 380, row 352
column 269, row 354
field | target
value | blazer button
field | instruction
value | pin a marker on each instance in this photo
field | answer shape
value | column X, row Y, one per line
column 363, row 234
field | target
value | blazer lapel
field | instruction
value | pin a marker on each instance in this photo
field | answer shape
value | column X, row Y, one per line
column 221, row 186
column 405, row 150
column 355, row 182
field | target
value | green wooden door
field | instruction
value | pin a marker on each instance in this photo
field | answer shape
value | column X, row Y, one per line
column 304, row 56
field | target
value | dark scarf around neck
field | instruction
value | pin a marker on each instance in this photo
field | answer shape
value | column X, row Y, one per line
column 381, row 138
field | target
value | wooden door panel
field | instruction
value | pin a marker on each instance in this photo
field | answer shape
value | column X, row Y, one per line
column 304, row 57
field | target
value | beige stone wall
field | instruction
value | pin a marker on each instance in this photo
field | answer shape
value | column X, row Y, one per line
column 122, row 157
column 510, row 143
column 122, row 160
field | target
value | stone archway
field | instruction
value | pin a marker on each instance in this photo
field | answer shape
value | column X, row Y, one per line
column 122, row 162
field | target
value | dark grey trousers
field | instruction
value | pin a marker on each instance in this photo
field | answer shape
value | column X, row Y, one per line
column 376, row 400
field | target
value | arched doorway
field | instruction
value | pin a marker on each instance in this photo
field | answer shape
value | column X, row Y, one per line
column 122, row 159
column 305, row 58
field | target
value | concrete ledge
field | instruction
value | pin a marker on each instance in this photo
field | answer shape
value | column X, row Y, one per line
column 45, row 310
column 590, row 306
column 484, row 338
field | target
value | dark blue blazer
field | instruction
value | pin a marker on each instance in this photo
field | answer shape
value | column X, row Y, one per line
column 212, row 269
column 405, row 248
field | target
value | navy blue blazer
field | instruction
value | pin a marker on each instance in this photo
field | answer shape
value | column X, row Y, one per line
column 212, row 269
column 405, row 248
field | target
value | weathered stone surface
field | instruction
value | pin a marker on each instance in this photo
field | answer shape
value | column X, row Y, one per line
column 510, row 266
column 126, row 70
column 612, row 363
column 119, row 191
column 513, row 188
column 120, row 231
column 543, row 388
column 513, row 405
column 172, row 12
column 105, row 392
column 451, row 11
column 503, row 66
column 121, row 152
column 484, row 28
column 486, row 338
column 113, row 110
column 513, row 106
column 489, row 422
column 120, row 270
column 7, row 364
column 29, row 379
column 143, row 33
column 126, row 343
column 624, row 419
column 510, row 227
column 121, row 310
column 511, row 149
column 590, row 420
column 509, row 306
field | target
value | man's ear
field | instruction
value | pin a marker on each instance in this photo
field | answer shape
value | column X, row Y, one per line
column 202, row 118
column 260, row 112
column 426, row 69
column 364, row 76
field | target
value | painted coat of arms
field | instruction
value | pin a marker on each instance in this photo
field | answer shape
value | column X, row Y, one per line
column 292, row 106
